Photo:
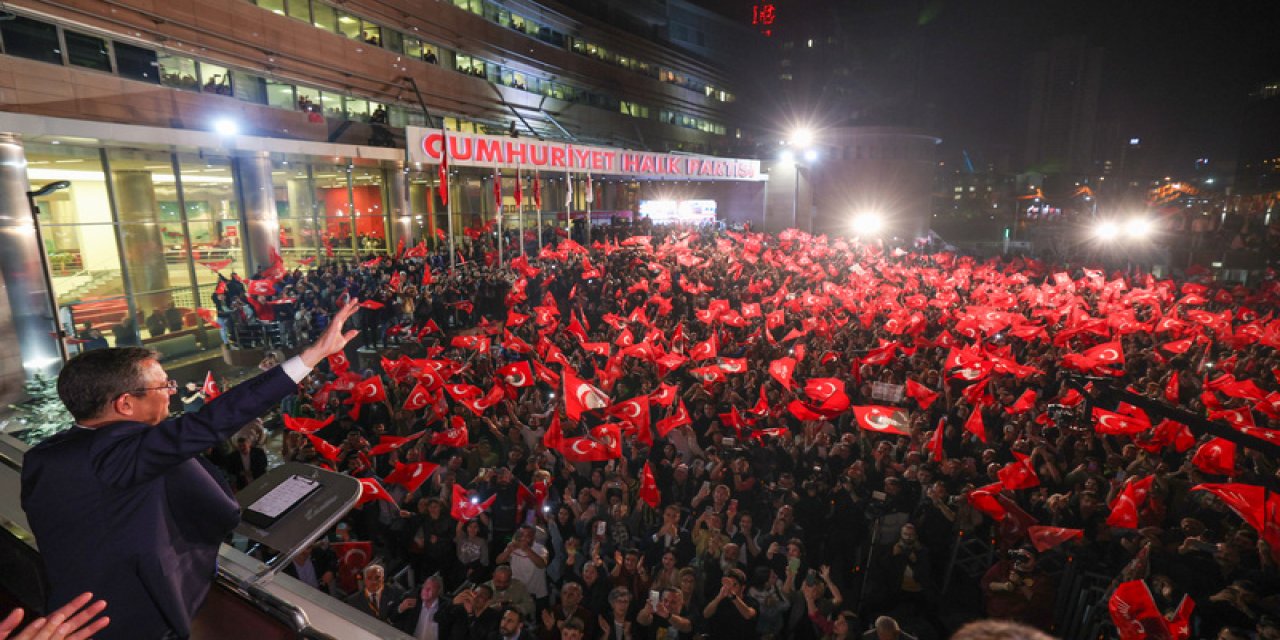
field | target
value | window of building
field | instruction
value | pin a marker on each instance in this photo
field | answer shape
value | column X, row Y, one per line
column 331, row 105
column 393, row 40
column 308, row 99
column 26, row 38
column 299, row 9
column 281, row 95
column 324, row 17
column 87, row 51
column 358, row 109
column 214, row 79
column 248, row 87
column 349, row 25
column 137, row 63
column 274, row 6
column 178, row 71
column 371, row 33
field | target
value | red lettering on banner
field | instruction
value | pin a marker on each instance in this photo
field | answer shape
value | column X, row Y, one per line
column 431, row 145
column 673, row 165
column 608, row 160
column 581, row 158
column 597, row 160
column 693, row 165
column 557, row 157
column 646, row 164
column 630, row 163
column 488, row 151
column 460, row 148
column 516, row 152
column 722, row 169
column 538, row 155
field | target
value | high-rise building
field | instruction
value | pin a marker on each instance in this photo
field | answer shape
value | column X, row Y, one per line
column 1061, row 85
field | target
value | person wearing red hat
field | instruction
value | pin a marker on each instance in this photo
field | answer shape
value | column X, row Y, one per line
column 123, row 505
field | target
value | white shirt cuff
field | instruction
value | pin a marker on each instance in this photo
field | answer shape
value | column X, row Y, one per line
column 295, row 369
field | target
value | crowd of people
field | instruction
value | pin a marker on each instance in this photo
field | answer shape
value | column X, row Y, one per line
column 734, row 434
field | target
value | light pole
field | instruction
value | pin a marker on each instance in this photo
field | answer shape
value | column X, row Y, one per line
column 800, row 154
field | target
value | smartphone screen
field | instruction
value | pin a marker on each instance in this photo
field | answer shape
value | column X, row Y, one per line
column 600, row 528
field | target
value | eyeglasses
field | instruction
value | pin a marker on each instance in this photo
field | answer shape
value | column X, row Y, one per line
column 170, row 385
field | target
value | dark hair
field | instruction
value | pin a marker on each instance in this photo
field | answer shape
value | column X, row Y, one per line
column 90, row 381
column 512, row 609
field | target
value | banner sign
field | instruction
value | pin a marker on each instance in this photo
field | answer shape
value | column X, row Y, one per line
column 475, row 150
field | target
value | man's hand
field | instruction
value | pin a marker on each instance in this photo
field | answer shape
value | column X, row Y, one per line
column 407, row 604
column 333, row 339
column 71, row 621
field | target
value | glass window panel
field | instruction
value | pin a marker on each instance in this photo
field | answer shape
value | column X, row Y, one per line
column 348, row 25
column 248, row 87
column 274, row 6
column 27, row 38
column 300, row 9
column 308, row 99
column 87, row 51
column 280, row 95
column 177, row 71
column 371, row 33
column 331, row 105
column 393, row 40
column 213, row 218
column 137, row 63
column 296, row 204
column 358, row 109
column 215, row 79
column 324, row 16
column 370, row 210
column 333, row 206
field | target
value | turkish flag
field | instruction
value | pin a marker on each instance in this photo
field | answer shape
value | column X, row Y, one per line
column 306, row 425
column 634, row 411
column 261, row 287
column 881, row 419
column 649, row 487
column 353, row 557
column 782, row 370
column 517, row 374
column 418, row 399
column 323, row 448
column 461, row 392
column 973, row 424
column 1172, row 388
column 546, row 375
column 1116, row 424
column 934, row 445
column 371, row 489
column 924, row 396
column 1018, row 474
column 338, row 362
column 585, row 450
column 665, row 395
column 822, row 389
column 369, row 390
column 387, row 444
column 581, row 397
column 455, row 437
column 1216, row 457
column 479, row 405
column 678, row 418
column 210, row 387
column 1238, row 418
column 1024, row 403
column 218, row 265
column 984, row 499
column 411, row 475
column 477, row 343
column 1135, row 613
column 554, row 435
column 464, row 507
column 1045, row 538
column 1177, row 346
column 704, row 350
column 1247, row 500
column 372, row 305
column 209, row 317
column 515, row 319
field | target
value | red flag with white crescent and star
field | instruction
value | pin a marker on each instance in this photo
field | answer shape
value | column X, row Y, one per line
column 1045, row 537
column 463, row 507
column 411, row 475
column 370, row 490
column 419, row 398
column 210, row 388
column 649, row 487
column 306, row 425
column 881, row 419
column 581, row 397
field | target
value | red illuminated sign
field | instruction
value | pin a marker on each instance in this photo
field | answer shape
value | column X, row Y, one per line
column 763, row 16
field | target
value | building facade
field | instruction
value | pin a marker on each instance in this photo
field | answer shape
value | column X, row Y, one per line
column 180, row 140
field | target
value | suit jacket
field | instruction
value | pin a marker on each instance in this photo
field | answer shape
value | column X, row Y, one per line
column 134, row 514
column 235, row 466
column 387, row 603
column 408, row 621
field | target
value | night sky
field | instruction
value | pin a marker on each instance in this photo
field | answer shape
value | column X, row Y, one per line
column 1177, row 74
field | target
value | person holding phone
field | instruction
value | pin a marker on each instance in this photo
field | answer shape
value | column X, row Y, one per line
column 662, row 616
column 731, row 613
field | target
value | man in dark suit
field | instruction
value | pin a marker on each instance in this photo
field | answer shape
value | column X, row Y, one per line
column 426, row 616
column 375, row 597
column 157, row 509
column 246, row 464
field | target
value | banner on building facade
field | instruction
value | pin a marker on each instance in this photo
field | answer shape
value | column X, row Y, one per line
column 476, row 150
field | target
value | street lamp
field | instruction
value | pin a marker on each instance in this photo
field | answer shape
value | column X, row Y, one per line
column 799, row 145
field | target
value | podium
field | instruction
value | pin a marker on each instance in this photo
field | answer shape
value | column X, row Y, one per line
column 291, row 506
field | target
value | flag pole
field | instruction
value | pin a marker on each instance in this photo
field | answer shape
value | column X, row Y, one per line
column 497, row 206
column 537, row 203
column 520, row 209
column 588, row 196
column 444, row 191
